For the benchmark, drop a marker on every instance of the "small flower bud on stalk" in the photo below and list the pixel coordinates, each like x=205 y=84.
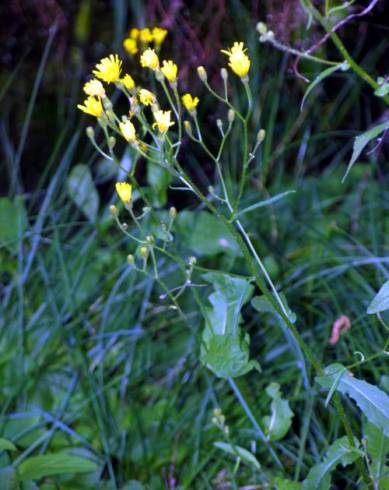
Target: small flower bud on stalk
x=130 y=259
x=202 y=73
x=150 y=239
x=107 y=104
x=125 y=226
x=192 y=261
x=261 y=28
x=224 y=74
x=261 y=135
x=113 y=210
x=219 y=124
x=111 y=142
x=188 y=128
x=231 y=116
x=90 y=132
x=144 y=252
x=173 y=213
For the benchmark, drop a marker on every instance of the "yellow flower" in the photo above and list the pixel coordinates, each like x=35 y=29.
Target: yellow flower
x=159 y=35
x=149 y=59
x=95 y=88
x=124 y=190
x=239 y=62
x=92 y=106
x=190 y=103
x=145 y=35
x=130 y=46
x=169 y=69
x=128 y=81
x=127 y=130
x=146 y=97
x=162 y=121
x=109 y=69
x=134 y=33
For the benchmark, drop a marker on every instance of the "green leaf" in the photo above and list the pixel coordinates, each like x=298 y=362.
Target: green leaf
x=239 y=452
x=322 y=75
x=280 y=420
x=204 y=234
x=82 y=191
x=37 y=467
x=225 y=347
x=261 y=304
x=13 y=221
x=381 y=300
x=372 y=401
x=361 y=141
x=6 y=445
x=377 y=449
x=282 y=484
x=159 y=179
x=340 y=452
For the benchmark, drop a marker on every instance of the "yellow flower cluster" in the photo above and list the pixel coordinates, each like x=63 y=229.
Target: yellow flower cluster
x=144 y=36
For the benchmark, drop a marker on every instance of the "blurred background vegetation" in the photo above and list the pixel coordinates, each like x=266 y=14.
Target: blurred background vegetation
x=92 y=360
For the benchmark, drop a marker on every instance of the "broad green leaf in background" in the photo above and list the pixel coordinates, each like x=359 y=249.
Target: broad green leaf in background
x=361 y=141
x=373 y=402
x=82 y=191
x=37 y=467
x=281 y=484
x=378 y=449
x=278 y=423
x=239 y=452
x=225 y=347
x=6 y=445
x=381 y=300
x=204 y=234
x=159 y=179
x=340 y=452
x=13 y=221
x=322 y=75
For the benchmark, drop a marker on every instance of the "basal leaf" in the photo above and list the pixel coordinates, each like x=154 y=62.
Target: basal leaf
x=239 y=452
x=82 y=191
x=361 y=141
x=373 y=402
x=381 y=300
x=340 y=452
x=280 y=420
x=37 y=467
x=6 y=445
x=377 y=449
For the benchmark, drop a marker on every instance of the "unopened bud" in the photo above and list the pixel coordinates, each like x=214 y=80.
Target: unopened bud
x=113 y=210
x=90 y=132
x=224 y=74
x=262 y=28
x=144 y=252
x=219 y=124
x=192 y=260
x=150 y=239
x=261 y=135
x=188 y=128
x=107 y=104
x=111 y=142
x=130 y=259
x=202 y=73
x=231 y=115
x=173 y=213
x=159 y=76
x=125 y=226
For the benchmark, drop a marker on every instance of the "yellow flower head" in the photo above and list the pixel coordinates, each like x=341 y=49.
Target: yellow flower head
x=159 y=35
x=130 y=45
x=162 y=121
x=109 y=69
x=239 y=62
x=93 y=106
x=127 y=130
x=134 y=33
x=145 y=35
x=149 y=59
x=169 y=69
x=146 y=97
x=124 y=190
x=190 y=103
x=95 y=88
x=128 y=81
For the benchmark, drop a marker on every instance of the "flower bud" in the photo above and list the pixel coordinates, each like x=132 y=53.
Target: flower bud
x=188 y=128
x=261 y=28
x=231 y=116
x=113 y=210
x=202 y=73
x=261 y=135
x=173 y=213
x=90 y=132
x=144 y=252
x=150 y=239
x=130 y=259
x=192 y=260
x=111 y=142
x=224 y=74
x=107 y=104
x=219 y=124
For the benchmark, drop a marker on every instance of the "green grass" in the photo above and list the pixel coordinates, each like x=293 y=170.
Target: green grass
x=95 y=362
